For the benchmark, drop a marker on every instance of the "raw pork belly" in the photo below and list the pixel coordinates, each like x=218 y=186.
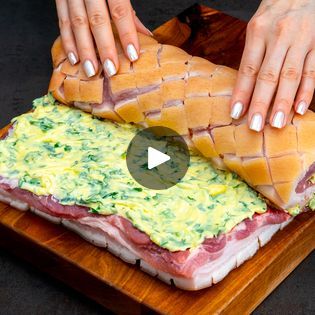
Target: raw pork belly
x=189 y=270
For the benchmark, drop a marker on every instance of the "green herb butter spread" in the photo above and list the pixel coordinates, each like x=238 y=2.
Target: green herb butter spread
x=311 y=204
x=60 y=151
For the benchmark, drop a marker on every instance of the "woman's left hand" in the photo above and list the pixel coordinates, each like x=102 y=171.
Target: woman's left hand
x=277 y=70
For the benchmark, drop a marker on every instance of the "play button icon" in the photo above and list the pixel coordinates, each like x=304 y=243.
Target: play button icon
x=157 y=158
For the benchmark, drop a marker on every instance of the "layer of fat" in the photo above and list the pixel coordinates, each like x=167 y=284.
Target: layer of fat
x=15 y=203
x=106 y=235
x=205 y=276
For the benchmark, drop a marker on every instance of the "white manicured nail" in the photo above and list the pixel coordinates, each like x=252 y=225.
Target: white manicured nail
x=237 y=110
x=89 y=68
x=150 y=32
x=301 y=108
x=256 y=122
x=278 y=119
x=109 y=68
x=132 y=53
x=72 y=58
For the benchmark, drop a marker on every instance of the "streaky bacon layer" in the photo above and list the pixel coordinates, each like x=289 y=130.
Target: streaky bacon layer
x=178 y=263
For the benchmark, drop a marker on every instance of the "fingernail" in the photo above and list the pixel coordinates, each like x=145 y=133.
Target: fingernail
x=278 y=119
x=236 y=110
x=301 y=108
x=256 y=122
x=132 y=53
x=89 y=68
x=149 y=32
x=109 y=68
x=72 y=58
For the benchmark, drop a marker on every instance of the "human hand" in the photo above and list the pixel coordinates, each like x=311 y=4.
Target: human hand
x=83 y=22
x=277 y=70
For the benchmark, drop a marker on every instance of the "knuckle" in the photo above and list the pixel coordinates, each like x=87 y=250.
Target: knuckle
x=119 y=11
x=306 y=27
x=261 y=104
x=285 y=103
x=85 y=52
x=106 y=47
x=309 y=73
x=249 y=70
x=127 y=35
x=268 y=75
x=281 y=26
x=78 y=21
x=258 y=105
x=64 y=23
x=97 y=19
x=257 y=24
x=304 y=40
x=290 y=73
x=106 y=51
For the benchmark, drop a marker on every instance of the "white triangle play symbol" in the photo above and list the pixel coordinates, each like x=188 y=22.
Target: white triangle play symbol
x=156 y=158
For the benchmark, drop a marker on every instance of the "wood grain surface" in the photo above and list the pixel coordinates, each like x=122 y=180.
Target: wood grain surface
x=125 y=289
x=206 y=33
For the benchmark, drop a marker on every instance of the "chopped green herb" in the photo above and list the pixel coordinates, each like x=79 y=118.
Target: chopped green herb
x=68 y=148
x=44 y=124
x=137 y=189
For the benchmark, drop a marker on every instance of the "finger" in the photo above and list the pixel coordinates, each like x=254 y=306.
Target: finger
x=290 y=78
x=122 y=15
x=250 y=64
x=99 y=20
x=66 y=34
x=140 y=26
x=307 y=86
x=266 y=83
x=83 y=36
x=252 y=58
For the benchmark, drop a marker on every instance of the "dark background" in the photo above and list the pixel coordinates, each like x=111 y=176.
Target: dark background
x=27 y=30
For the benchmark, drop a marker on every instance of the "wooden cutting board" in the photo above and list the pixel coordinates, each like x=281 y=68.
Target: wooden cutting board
x=125 y=289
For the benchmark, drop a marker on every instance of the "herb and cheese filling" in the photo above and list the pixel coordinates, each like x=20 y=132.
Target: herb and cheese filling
x=80 y=160
x=311 y=204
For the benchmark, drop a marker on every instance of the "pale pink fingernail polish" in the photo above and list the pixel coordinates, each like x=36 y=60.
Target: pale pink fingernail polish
x=278 y=119
x=151 y=34
x=132 y=52
x=301 y=108
x=72 y=58
x=89 y=68
x=256 y=122
x=109 y=68
x=237 y=110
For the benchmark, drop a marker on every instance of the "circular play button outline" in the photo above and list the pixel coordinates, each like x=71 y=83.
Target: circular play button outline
x=168 y=154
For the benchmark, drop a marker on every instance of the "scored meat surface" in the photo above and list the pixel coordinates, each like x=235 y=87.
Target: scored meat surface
x=168 y=87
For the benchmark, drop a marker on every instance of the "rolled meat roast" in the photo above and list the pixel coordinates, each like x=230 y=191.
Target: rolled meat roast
x=168 y=87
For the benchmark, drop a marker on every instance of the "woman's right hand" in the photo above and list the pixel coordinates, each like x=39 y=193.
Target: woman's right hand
x=83 y=22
